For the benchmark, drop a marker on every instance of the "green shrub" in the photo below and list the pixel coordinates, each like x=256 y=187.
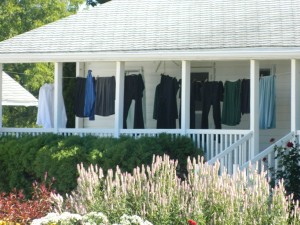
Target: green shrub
x=26 y=159
x=17 y=156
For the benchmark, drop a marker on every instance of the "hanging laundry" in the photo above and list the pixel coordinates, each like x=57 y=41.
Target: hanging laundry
x=267 y=102
x=90 y=96
x=195 y=97
x=134 y=87
x=105 y=96
x=245 y=96
x=79 y=97
x=45 y=114
x=231 y=111
x=165 y=102
x=212 y=96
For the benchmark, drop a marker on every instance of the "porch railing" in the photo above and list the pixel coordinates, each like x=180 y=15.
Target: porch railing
x=266 y=159
x=235 y=155
x=214 y=142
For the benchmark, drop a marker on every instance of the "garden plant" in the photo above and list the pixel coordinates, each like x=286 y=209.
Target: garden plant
x=156 y=194
x=288 y=167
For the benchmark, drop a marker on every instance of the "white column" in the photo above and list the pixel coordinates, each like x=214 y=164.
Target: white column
x=119 y=102
x=58 y=95
x=79 y=73
x=295 y=95
x=254 y=105
x=1 y=90
x=185 y=96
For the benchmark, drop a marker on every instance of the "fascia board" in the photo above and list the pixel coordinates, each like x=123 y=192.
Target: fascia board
x=203 y=55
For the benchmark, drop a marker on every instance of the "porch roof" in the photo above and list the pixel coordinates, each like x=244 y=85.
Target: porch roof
x=166 y=29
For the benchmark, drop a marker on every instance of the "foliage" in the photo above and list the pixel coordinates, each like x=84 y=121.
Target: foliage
x=25 y=159
x=158 y=195
x=20 y=16
x=19 y=116
x=17 y=157
x=14 y=207
x=288 y=167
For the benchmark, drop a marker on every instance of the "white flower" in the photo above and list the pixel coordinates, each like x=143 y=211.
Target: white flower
x=50 y=217
x=64 y=218
x=95 y=218
x=133 y=220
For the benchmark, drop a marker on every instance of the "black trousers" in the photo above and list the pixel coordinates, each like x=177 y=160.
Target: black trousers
x=245 y=96
x=133 y=90
x=105 y=96
x=79 y=96
x=212 y=96
x=165 y=103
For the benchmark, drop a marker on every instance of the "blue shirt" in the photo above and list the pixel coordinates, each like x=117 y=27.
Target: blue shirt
x=90 y=96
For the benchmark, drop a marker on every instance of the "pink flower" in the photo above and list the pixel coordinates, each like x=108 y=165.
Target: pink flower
x=290 y=144
x=192 y=222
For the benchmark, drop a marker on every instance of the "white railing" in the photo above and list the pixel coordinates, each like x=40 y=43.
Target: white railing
x=86 y=132
x=214 y=142
x=266 y=159
x=149 y=132
x=235 y=155
x=19 y=132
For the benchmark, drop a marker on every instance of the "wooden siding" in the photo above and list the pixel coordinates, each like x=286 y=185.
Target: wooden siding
x=219 y=71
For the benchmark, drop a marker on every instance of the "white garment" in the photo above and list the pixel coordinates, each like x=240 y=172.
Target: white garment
x=45 y=115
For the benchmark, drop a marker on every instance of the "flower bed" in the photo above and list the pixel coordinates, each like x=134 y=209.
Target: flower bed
x=156 y=195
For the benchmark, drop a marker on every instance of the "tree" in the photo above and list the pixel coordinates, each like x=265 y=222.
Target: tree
x=19 y=16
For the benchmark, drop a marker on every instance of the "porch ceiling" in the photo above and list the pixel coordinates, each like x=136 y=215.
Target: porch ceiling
x=165 y=29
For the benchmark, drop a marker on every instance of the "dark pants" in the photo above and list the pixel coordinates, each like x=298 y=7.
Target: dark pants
x=165 y=103
x=212 y=95
x=245 y=96
x=133 y=90
x=79 y=96
x=105 y=96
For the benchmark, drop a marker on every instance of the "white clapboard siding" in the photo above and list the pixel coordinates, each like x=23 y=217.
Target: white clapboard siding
x=219 y=71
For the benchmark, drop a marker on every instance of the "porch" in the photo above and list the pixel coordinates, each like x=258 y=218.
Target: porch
x=233 y=146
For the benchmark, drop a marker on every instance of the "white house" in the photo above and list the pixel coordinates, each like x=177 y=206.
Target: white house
x=225 y=40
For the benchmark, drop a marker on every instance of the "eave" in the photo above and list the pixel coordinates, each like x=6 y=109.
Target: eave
x=166 y=55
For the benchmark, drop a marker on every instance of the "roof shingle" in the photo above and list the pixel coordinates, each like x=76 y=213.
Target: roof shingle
x=149 y=25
